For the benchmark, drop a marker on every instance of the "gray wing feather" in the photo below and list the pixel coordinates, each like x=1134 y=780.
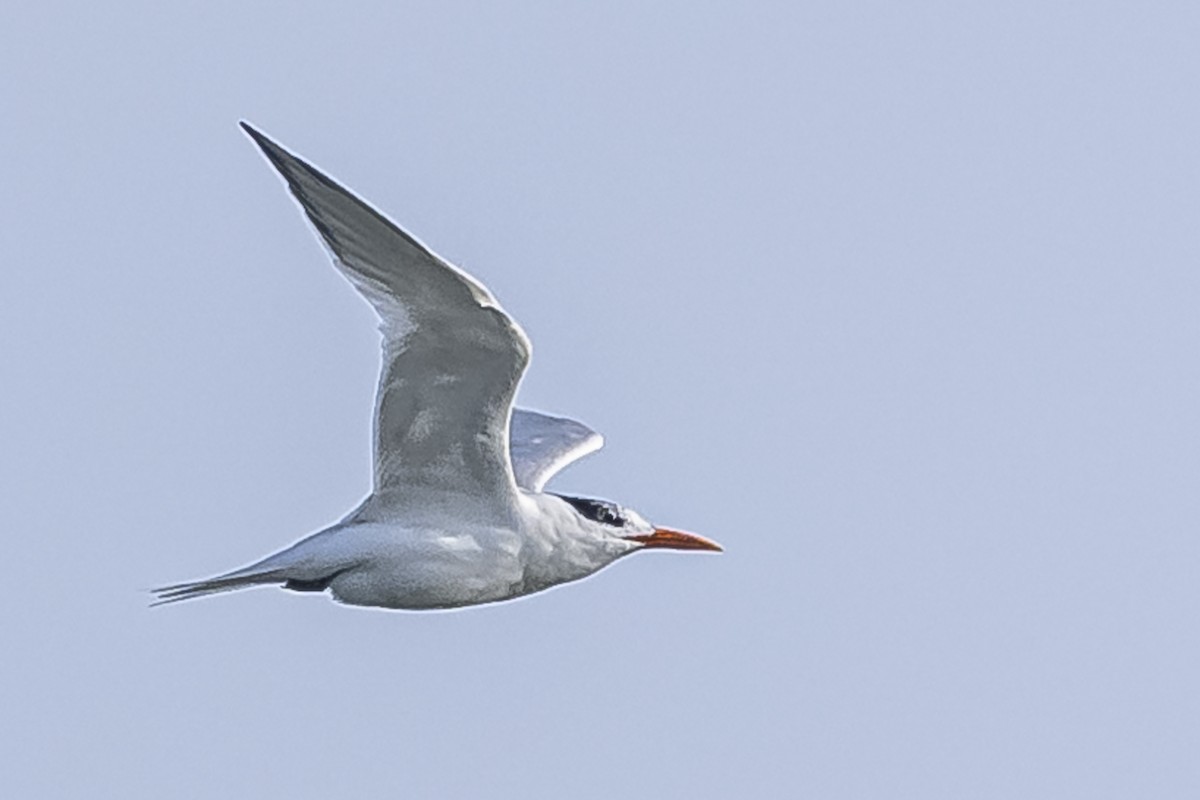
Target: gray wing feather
x=452 y=359
x=542 y=445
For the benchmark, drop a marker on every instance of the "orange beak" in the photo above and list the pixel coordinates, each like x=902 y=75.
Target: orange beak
x=675 y=540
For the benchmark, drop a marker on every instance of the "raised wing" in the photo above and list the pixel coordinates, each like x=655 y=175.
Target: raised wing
x=542 y=445
x=452 y=358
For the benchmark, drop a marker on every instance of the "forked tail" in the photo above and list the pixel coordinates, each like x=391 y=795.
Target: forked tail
x=221 y=583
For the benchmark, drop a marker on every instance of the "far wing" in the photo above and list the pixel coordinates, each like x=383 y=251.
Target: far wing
x=542 y=445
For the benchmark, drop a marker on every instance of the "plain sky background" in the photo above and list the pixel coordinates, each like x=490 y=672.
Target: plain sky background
x=898 y=301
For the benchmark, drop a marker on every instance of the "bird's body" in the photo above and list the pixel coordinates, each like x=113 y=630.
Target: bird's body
x=410 y=558
x=458 y=515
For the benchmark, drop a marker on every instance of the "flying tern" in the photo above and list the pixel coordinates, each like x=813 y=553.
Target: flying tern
x=458 y=514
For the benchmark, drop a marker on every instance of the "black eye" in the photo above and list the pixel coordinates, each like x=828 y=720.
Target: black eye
x=601 y=511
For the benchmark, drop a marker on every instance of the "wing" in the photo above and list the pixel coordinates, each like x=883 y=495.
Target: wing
x=452 y=358
x=542 y=445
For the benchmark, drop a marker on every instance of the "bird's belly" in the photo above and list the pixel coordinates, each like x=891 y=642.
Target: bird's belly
x=434 y=572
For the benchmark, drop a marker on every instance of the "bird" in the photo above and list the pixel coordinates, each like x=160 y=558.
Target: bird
x=458 y=514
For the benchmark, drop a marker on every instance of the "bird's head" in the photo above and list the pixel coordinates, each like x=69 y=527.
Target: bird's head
x=627 y=524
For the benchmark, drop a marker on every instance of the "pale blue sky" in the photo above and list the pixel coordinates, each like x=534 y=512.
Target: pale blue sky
x=899 y=302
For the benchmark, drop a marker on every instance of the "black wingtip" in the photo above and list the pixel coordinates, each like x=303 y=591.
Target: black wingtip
x=258 y=136
x=284 y=162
